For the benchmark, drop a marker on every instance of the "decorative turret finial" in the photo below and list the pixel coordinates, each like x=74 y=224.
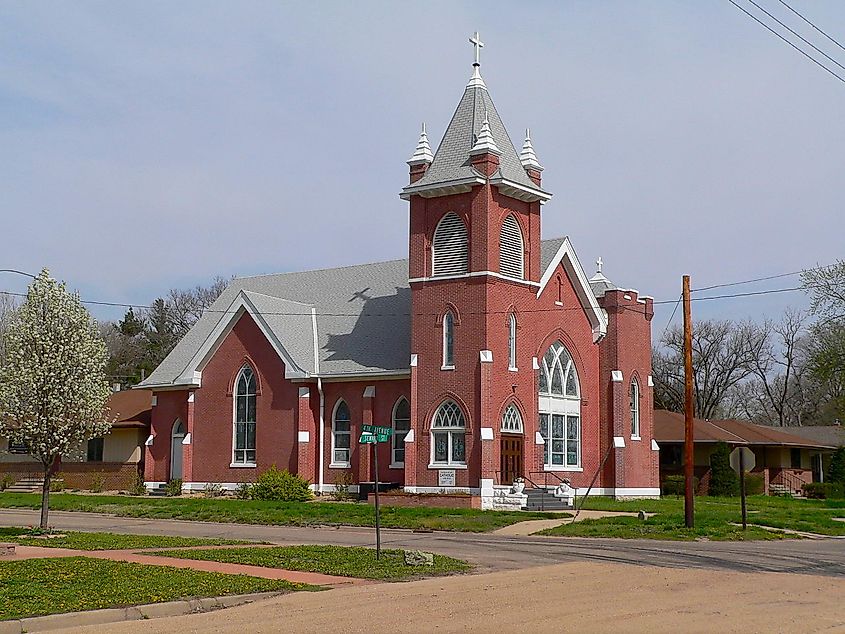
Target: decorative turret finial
x=422 y=154
x=527 y=157
x=599 y=264
x=476 y=81
x=485 y=143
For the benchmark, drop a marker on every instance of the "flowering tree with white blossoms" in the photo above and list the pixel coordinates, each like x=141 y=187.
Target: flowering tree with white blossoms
x=53 y=386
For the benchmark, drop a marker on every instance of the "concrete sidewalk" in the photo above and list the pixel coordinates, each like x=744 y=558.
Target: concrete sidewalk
x=132 y=556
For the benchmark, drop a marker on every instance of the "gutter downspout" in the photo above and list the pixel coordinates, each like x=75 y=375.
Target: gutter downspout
x=322 y=432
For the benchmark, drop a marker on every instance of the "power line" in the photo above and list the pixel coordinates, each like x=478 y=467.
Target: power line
x=757 y=279
x=798 y=35
x=812 y=25
x=556 y=309
x=669 y=323
x=796 y=47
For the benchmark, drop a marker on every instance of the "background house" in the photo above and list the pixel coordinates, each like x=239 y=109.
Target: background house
x=111 y=462
x=786 y=460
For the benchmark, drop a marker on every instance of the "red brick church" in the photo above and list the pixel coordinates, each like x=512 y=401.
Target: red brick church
x=489 y=351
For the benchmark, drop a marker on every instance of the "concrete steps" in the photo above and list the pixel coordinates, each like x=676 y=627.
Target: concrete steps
x=544 y=500
x=26 y=485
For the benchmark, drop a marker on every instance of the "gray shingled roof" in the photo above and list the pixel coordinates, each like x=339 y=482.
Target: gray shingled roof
x=362 y=315
x=452 y=161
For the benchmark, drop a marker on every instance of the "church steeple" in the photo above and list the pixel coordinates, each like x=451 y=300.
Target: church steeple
x=475 y=125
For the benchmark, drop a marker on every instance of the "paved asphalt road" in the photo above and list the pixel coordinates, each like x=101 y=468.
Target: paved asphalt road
x=491 y=552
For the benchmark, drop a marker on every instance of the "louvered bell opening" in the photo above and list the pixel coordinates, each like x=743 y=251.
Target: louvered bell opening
x=450 y=247
x=510 y=249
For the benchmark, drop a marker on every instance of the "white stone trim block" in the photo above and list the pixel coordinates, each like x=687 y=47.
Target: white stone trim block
x=303 y=436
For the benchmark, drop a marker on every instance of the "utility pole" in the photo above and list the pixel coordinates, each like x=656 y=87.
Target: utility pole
x=689 y=439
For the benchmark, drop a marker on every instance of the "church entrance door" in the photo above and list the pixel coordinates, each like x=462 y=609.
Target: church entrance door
x=511 y=458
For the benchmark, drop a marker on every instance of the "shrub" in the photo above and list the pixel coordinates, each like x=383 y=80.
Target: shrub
x=98 y=482
x=836 y=473
x=341 y=486
x=674 y=485
x=723 y=480
x=824 y=490
x=6 y=482
x=281 y=486
x=244 y=491
x=57 y=484
x=173 y=488
x=212 y=490
x=138 y=487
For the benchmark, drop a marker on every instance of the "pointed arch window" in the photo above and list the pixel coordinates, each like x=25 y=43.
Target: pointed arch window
x=512 y=341
x=448 y=341
x=341 y=435
x=245 y=419
x=512 y=420
x=560 y=409
x=511 y=249
x=448 y=435
x=401 y=427
x=635 y=409
x=450 y=247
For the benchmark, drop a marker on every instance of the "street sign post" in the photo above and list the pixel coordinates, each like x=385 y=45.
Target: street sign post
x=372 y=435
x=742 y=459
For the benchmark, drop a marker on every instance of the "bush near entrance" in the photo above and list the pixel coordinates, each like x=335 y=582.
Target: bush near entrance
x=837 y=467
x=280 y=486
x=724 y=481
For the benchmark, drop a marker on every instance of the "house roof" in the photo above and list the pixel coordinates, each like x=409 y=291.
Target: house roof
x=131 y=408
x=669 y=428
x=356 y=317
x=452 y=163
x=833 y=435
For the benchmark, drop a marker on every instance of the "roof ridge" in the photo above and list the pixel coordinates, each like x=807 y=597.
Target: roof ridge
x=327 y=268
x=284 y=299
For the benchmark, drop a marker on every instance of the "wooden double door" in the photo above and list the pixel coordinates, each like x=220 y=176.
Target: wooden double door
x=511 y=457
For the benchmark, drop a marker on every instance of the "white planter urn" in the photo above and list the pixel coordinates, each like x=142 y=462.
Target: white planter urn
x=518 y=487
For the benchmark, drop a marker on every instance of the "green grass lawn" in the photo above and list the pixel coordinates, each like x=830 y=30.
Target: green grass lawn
x=277 y=513
x=715 y=518
x=49 y=586
x=330 y=560
x=107 y=541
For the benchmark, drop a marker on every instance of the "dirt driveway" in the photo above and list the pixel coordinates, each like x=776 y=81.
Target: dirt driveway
x=581 y=596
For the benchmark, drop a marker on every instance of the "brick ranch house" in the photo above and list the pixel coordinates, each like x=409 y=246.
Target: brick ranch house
x=112 y=462
x=783 y=457
x=489 y=351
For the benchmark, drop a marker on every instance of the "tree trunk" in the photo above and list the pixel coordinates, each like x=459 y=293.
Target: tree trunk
x=45 y=496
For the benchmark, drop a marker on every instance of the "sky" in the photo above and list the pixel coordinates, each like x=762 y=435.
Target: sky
x=155 y=145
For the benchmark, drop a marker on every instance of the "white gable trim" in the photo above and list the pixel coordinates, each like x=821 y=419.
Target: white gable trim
x=566 y=256
x=240 y=305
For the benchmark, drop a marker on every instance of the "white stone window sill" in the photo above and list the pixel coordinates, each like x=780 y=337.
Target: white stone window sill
x=243 y=465
x=561 y=468
x=340 y=465
x=447 y=367
x=513 y=369
x=635 y=438
x=443 y=465
x=396 y=465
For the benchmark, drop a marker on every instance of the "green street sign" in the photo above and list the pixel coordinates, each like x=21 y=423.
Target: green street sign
x=383 y=437
x=375 y=429
x=367 y=439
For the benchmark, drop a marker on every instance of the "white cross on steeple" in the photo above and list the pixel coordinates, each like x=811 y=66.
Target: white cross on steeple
x=599 y=263
x=475 y=40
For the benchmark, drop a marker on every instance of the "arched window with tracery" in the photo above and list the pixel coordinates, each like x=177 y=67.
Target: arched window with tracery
x=560 y=408
x=448 y=435
x=245 y=419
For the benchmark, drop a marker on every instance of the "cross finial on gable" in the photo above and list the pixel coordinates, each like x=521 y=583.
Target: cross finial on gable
x=599 y=264
x=475 y=40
